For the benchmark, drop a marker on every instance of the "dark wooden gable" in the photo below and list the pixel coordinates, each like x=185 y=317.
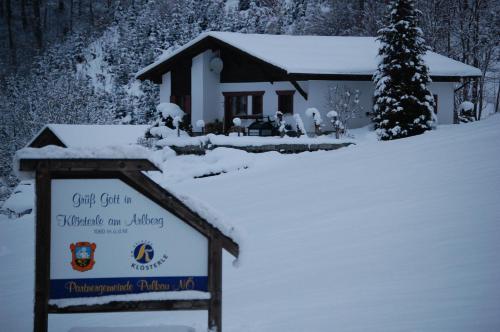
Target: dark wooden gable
x=239 y=66
x=46 y=137
x=181 y=78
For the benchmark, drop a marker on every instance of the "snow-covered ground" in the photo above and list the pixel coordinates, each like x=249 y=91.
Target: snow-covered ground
x=381 y=236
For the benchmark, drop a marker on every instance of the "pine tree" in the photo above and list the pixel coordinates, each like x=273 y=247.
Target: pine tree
x=403 y=104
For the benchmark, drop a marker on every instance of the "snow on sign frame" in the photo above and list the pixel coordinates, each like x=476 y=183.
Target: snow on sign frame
x=110 y=239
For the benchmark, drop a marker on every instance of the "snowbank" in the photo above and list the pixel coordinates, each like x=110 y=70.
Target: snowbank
x=164 y=328
x=179 y=295
x=273 y=140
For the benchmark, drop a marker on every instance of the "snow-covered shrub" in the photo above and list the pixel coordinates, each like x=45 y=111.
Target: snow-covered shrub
x=313 y=113
x=280 y=123
x=337 y=125
x=215 y=127
x=465 y=112
x=169 y=110
x=301 y=129
x=177 y=122
x=344 y=105
x=168 y=122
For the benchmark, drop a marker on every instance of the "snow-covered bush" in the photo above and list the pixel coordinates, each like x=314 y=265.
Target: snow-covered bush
x=465 y=112
x=313 y=113
x=337 y=125
x=344 y=105
x=168 y=122
x=169 y=110
x=280 y=123
x=216 y=127
x=301 y=129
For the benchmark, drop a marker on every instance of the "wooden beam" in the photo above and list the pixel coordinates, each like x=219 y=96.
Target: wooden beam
x=215 y=285
x=297 y=86
x=118 y=306
x=27 y=165
x=42 y=247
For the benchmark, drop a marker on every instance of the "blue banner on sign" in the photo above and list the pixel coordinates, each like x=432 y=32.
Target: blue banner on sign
x=70 y=288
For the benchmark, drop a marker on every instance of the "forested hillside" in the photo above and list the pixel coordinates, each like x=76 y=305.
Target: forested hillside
x=73 y=61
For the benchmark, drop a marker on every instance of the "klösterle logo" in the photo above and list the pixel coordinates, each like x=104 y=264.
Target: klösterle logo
x=143 y=254
x=82 y=256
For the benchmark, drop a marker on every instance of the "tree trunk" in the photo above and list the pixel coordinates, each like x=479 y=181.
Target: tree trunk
x=12 y=45
x=91 y=14
x=37 y=24
x=481 y=94
x=24 y=20
x=498 y=97
x=45 y=15
x=70 y=15
x=475 y=57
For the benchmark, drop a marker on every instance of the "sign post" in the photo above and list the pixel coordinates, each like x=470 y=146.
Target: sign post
x=104 y=229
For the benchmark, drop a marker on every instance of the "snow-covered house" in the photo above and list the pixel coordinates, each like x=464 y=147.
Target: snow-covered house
x=223 y=75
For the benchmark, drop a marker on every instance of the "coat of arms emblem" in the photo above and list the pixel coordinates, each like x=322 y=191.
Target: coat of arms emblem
x=82 y=256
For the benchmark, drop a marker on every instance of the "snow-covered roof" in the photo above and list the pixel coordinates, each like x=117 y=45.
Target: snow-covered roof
x=79 y=136
x=325 y=55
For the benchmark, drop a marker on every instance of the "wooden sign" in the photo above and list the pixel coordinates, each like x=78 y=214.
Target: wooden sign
x=103 y=228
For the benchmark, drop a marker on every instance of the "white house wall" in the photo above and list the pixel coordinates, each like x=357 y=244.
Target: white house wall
x=204 y=89
x=446 y=100
x=165 y=88
x=319 y=95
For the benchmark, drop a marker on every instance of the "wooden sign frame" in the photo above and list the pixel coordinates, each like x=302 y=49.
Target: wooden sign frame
x=130 y=172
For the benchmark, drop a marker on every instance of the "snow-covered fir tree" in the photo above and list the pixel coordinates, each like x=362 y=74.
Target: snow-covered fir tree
x=403 y=105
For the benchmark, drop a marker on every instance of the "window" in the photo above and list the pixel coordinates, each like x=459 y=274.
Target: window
x=435 y=103
x=257 y=105
x=239 y=105
x=285 y=101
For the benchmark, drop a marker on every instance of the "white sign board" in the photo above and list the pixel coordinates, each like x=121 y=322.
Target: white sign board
x=109 y=239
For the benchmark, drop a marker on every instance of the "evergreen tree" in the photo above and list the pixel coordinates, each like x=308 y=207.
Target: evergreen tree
x=403 y=104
